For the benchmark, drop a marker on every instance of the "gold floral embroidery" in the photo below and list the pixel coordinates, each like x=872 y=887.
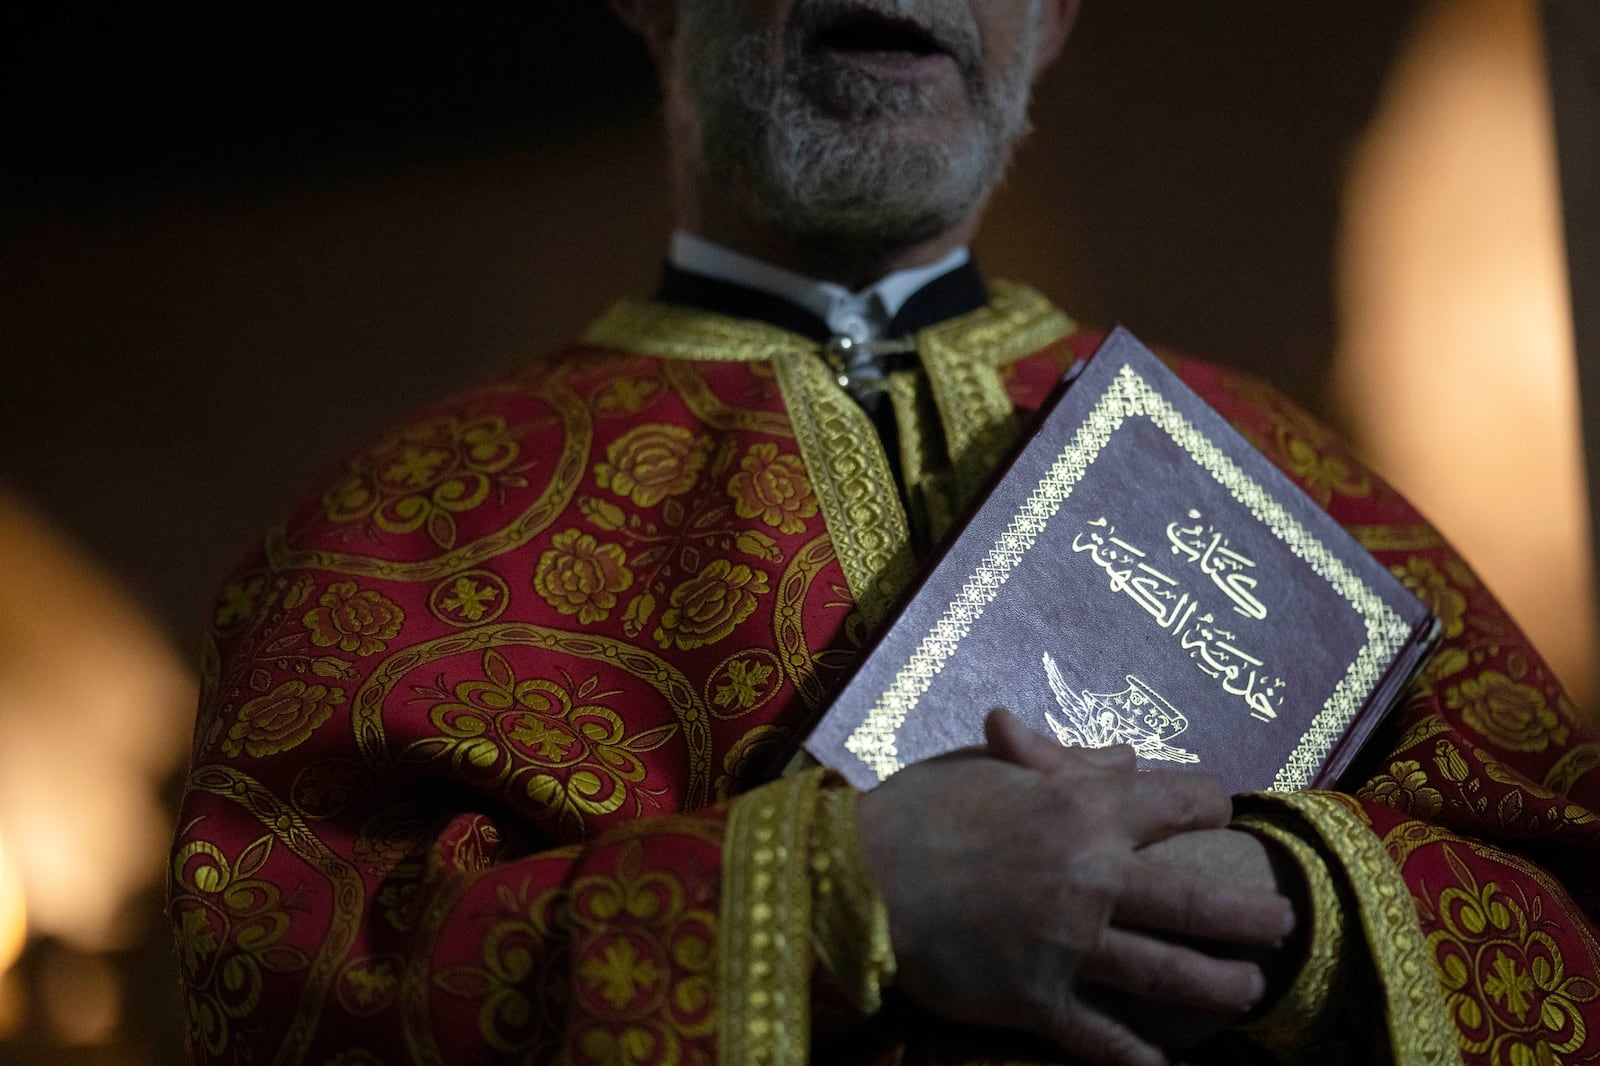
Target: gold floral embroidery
x=325 y=787
x=550 y=745
x=1405 y=788
x=471 y=598
x=1451 y=765
x=705 y=608
x=357 y=620
x=426 y=474
x=1435 y=591
x=281 y=719
x=367 y=986
x=1505 y=978
x=294 y=1026
x=673 y=691
x=627 y=395
x=651 y=462
x=750 y=754
x=1510 y=713
x=1322 y=473
x=239 y=601
x=742 y=682
x=230 y=928
x=643 y=955
x=581 y=576
x=773 y=488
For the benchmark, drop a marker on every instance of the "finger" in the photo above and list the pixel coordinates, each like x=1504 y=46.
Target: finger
x=1167 y=802
x=1089 y=1035
x=1159 y=898
x=1015 y=743
x=1159 y=972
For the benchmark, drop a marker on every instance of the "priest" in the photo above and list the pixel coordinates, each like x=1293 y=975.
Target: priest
x=478 y=770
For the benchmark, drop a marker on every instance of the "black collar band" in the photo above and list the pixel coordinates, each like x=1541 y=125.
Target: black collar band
x=957 y=292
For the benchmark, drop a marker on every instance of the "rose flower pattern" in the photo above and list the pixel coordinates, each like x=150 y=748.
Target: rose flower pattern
x=581 y=576
x=773 y=488
x=281 y=719
x=1512 y=714
x=652 y=462
x=356 y=620
x=706 y=607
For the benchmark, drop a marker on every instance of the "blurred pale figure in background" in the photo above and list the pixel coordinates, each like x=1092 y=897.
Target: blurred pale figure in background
x=93 y=708
x=1455 y=318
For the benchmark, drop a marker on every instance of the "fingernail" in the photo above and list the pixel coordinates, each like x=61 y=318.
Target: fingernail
x=1289 y=922
x=1258 y=988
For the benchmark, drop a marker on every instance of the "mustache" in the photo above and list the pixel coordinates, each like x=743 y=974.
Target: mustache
x=948 y=25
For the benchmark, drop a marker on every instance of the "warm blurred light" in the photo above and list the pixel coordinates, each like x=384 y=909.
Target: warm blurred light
x=94 y=707
x=13 y=1004
x=1456 y=366
x=80 y=996
x=13 y=912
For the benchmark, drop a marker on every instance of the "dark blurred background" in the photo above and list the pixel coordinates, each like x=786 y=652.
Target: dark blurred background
x=236 y=241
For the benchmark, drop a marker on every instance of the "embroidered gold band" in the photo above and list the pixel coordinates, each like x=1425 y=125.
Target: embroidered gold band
x=764 y=965
x=1304 y=1011
x=849 y=925
x=1421 y=1032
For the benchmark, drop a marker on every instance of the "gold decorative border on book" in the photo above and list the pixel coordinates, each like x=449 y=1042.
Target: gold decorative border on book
x=1130 y=395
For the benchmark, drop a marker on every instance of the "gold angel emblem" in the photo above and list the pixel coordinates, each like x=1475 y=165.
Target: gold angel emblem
x=1137 y=716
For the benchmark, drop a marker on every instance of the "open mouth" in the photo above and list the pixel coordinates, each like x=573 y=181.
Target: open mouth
x=869 y=33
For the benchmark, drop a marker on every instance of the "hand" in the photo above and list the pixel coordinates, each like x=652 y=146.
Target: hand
x=1011 y=875
x=1216 y=857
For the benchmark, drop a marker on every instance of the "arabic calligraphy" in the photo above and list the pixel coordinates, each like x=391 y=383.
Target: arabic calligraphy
x=1209 y=550
x=1179 y=611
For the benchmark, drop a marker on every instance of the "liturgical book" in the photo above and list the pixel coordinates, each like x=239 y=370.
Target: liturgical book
x=1140 y=575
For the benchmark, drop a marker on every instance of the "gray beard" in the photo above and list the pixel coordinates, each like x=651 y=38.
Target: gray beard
x=801 y=139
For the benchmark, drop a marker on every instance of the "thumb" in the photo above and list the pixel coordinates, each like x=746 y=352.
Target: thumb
x=1011 y=741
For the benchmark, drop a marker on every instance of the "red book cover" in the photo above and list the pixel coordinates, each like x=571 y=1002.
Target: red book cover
x=1140 y=575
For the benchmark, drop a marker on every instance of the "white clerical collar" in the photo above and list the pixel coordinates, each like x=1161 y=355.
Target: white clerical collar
x=861 y=316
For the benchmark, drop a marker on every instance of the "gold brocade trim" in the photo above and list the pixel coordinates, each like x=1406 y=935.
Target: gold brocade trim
x=849 y=923
x=901 y=388
x=1303 y=1012
x=923 y=468
x=673 y=332
x=577 y=433
x=849 y=472
x=1421 y=1031
x=961 y=357
x=675 y=689
x=1018 y=322
x=289 y=828
x=1130 y=396
x=850 y=476
x=979 y=419
x=711 y=410
x=763 y=965
x=1410 y=538
x=788 y=620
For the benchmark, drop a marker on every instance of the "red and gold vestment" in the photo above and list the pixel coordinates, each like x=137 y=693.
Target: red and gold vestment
x=472 y=718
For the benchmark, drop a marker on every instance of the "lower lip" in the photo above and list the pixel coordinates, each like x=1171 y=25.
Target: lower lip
x=903 y=66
